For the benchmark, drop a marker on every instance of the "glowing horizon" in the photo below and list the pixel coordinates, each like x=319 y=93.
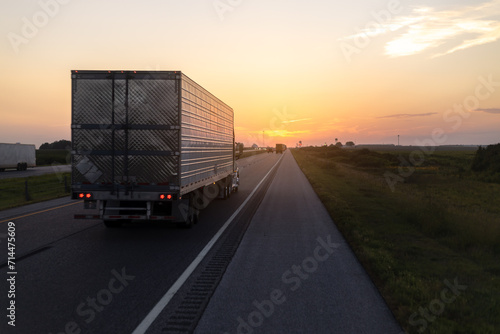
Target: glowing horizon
x=291 y=71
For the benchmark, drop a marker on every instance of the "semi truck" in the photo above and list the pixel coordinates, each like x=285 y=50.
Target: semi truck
x=280 y=148
x=149 y=146
x=17 y=156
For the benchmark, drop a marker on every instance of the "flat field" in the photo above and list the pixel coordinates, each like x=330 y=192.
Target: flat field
x=21 y=191
x=425 y=227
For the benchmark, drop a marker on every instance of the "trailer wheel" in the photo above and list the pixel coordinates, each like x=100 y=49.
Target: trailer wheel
x=112 y=223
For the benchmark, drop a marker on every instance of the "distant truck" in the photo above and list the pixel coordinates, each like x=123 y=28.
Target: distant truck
x=17 y=156
x=149 y=146
x=280 y=148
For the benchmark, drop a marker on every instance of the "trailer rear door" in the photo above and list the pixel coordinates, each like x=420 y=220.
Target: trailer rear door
x=125 y=130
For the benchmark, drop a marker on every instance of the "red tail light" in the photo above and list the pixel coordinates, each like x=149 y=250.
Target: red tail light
x=165 y=196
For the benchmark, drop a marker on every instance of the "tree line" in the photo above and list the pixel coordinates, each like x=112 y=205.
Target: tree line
x=57 y=145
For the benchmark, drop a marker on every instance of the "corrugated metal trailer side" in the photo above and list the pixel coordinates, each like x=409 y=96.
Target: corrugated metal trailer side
x=206 y=137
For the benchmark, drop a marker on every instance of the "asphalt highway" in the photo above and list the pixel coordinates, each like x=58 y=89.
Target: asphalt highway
x=78 y=275
x=279 y=251
x=294 y=272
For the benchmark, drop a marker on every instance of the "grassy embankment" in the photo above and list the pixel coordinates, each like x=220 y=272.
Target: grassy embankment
x=40 y=188
x=440 y=223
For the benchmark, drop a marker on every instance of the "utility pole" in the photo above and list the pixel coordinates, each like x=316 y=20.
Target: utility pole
x=398 y=140
x=263 y=144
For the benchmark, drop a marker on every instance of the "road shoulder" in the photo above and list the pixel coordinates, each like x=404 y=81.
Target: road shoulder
x=294 y=272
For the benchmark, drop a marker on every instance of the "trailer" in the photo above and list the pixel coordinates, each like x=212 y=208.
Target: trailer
x=149 y=146
x=280 y=148
x=17 y=156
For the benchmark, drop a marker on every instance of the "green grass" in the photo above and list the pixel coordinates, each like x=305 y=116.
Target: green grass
x=439 y=224
x=40 y=188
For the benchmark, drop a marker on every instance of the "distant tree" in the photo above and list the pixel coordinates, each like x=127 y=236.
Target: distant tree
x=487 y=159
x=339 y=144
x=349 y=143
x=57 y=145
x=255 y=146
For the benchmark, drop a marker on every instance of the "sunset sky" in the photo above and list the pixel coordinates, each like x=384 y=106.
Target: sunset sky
x=362 y=71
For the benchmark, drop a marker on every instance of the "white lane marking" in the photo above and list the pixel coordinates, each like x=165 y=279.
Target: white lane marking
x=153 y=314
